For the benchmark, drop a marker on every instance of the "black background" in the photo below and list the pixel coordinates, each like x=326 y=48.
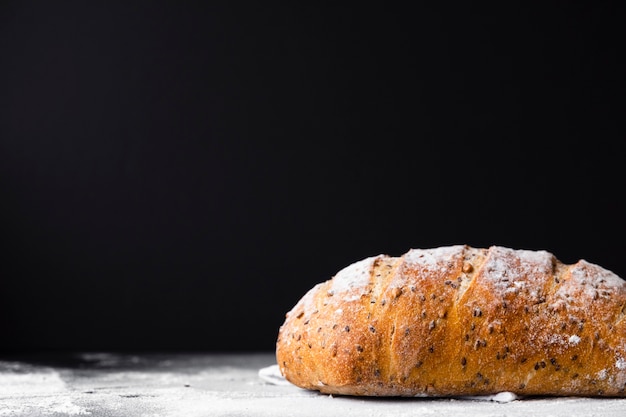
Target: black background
x=176 y=175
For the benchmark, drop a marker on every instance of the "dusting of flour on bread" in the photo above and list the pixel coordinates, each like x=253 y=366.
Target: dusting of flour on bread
x=432 y=259
x=512 y=270
x=353 y=278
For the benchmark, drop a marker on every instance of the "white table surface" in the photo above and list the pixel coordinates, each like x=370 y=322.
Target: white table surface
x=107 y=384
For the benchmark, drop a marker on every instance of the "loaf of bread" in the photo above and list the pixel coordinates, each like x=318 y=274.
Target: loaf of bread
x=458 y=320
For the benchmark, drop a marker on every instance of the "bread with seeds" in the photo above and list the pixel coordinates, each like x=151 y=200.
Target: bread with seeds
x=458 y=320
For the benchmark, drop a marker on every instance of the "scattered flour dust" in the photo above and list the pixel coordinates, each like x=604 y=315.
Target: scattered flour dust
x=36 y=393
x=574 y=340
x=434 y=258
x=353 y=278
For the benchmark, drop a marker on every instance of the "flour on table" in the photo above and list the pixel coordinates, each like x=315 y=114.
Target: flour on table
x=36 y=393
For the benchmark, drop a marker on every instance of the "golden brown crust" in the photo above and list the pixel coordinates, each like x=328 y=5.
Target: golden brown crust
x=459 y=320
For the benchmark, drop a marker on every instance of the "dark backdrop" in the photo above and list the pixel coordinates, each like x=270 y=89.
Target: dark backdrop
x=176 y=176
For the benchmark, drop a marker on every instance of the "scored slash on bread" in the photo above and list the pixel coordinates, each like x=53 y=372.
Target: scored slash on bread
x=459 y=320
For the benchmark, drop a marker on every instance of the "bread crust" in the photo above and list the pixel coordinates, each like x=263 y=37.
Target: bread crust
x=458 y=320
